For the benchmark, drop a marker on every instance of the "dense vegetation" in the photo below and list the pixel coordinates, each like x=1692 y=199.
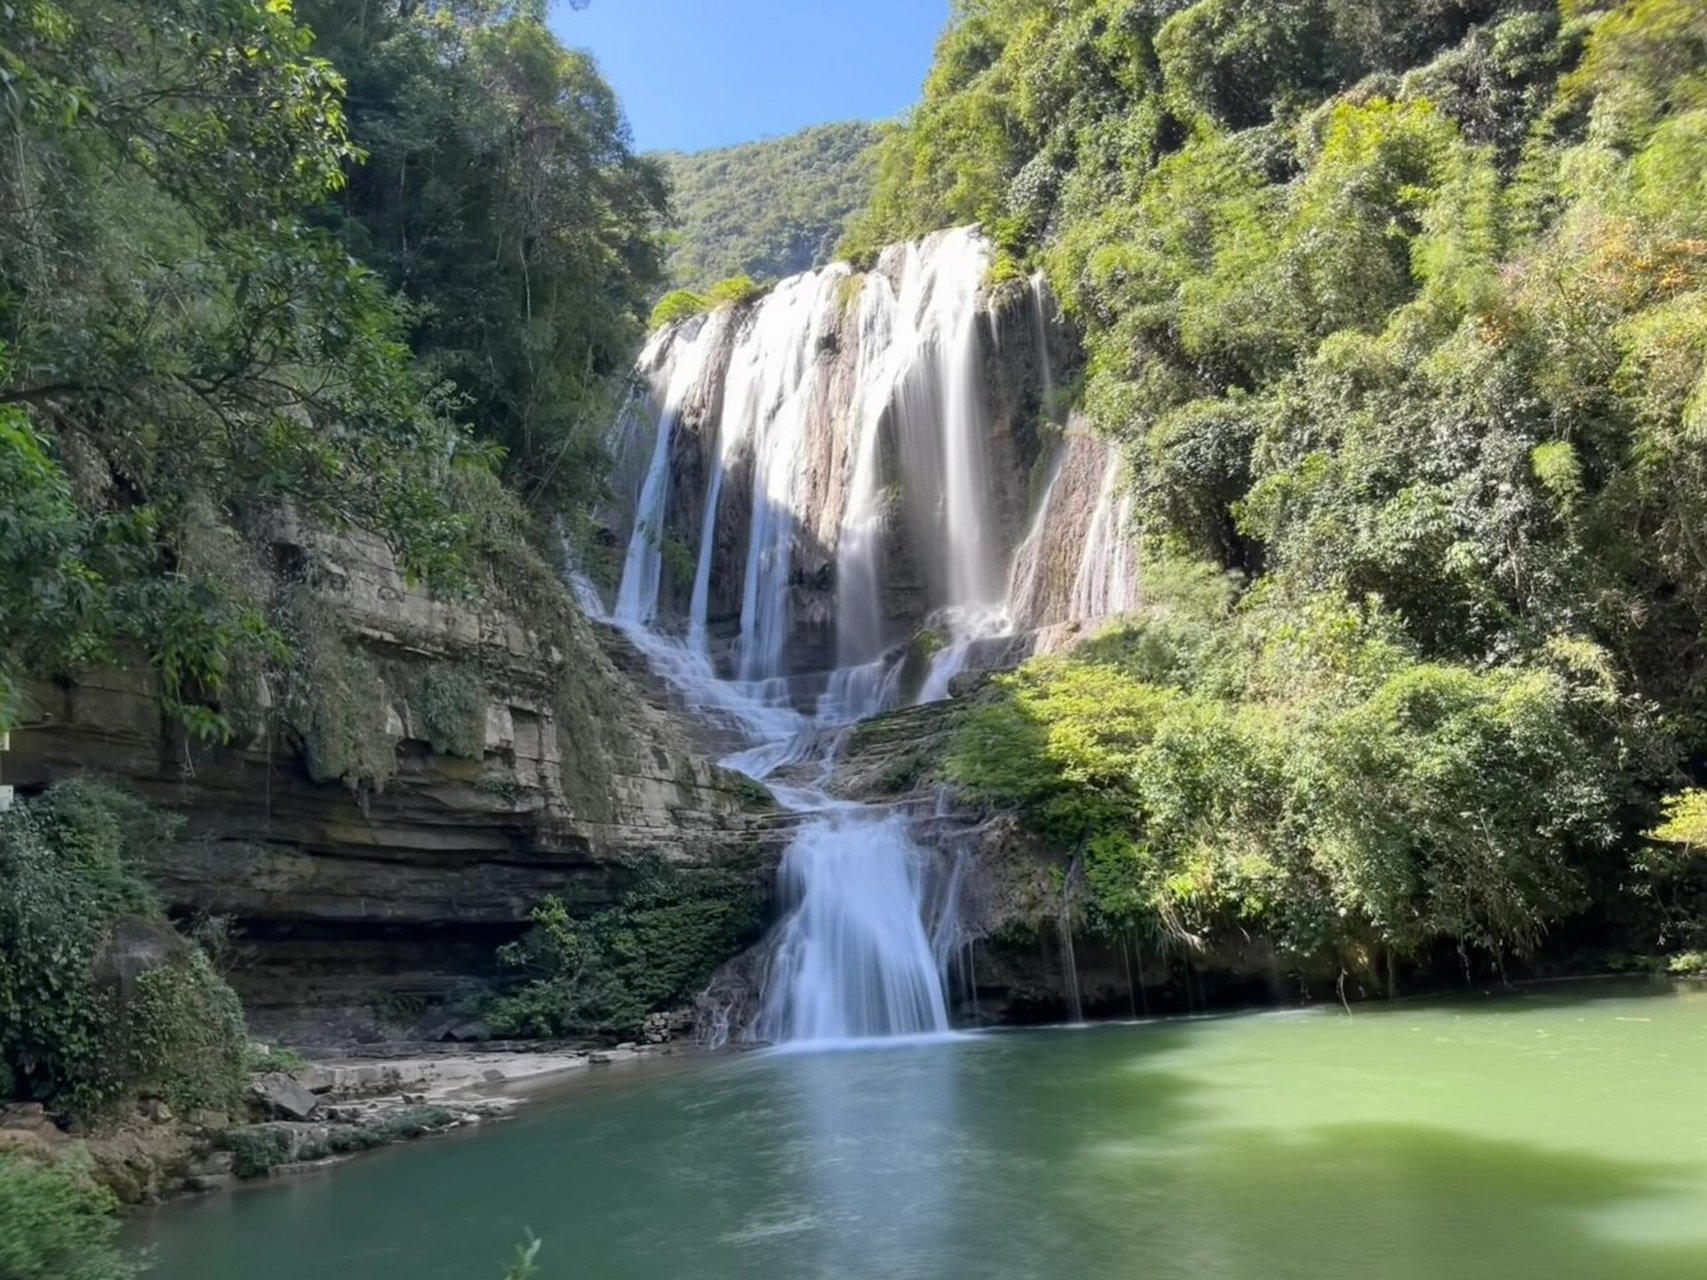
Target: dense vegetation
x=602 y=974
x=767 y=209
x=267 y=268
x=101 y=1001
x=1399 y=313
x=56 y=1224
x=101 y=998
x=245 y=271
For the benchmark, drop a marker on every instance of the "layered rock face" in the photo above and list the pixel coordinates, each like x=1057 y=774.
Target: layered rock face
x=365 y=906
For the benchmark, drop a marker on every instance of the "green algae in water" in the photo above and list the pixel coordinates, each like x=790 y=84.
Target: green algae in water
x=1561 y=1134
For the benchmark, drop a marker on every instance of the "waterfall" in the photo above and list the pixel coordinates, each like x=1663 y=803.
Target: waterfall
x=853 y=958
x=846 y=443
x=1040 y=317
x=1106 y=582
x=1028 y=556
x=859 y=622
x=780 y=357
x=677 y=377
x=972 y=573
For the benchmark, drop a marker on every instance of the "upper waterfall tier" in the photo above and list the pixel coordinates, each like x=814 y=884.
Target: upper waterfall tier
x=808 y=479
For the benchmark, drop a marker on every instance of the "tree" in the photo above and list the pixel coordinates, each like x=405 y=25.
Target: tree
x=500 y=196
x=187 y=349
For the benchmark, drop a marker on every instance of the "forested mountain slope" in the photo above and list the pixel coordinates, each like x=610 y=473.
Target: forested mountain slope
x=766 y=209
x=1399 y=311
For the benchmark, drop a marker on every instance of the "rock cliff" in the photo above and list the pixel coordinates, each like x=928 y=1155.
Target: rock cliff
x=499 y=761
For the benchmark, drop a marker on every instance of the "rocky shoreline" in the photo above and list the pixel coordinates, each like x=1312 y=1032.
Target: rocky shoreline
x=305 y=1117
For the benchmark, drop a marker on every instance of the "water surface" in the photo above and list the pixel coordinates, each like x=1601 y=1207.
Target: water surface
x=1560 y=1134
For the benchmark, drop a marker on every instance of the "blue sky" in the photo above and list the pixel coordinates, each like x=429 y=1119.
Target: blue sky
x=694 y=74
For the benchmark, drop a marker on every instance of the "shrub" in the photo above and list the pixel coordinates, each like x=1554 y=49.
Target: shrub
x=677 y=305
x=451 y=702
x=1310 y=777
x=99 y=996
x=336 y=701
x=733 y=292
x=265 y=1059
x=655 y=949
x=56 y=1224
x=1685 y=821
x=256 y=1152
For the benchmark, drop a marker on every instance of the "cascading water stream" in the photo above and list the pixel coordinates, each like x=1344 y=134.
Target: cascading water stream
x=855 y=447
x=1107 y=583
x=853 y=958
x=859 y=951
x=643 y=567
x=781 y=356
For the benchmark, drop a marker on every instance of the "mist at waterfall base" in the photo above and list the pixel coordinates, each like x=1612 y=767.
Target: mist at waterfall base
x=1552 y=1135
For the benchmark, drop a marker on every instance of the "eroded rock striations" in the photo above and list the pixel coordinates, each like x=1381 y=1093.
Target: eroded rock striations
x=368 y=875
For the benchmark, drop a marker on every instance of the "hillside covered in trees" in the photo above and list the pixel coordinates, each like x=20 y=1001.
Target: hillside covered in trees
x=1399 y=313
x=766 y=209
x=364 y=264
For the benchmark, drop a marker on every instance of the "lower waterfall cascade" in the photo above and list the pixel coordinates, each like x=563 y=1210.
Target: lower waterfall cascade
x=849 y=413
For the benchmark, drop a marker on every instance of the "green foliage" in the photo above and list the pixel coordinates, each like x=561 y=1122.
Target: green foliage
x=1303 y=771
x=684 y=304
x=500 y=196
x=256 y=1152
x=336 y=700
x=766 y=209
x=1399 y=312
x=246 y=268
x=57 y=1224
x=1688 y=964
x=603 y=973
x=681 y=304
x=182 y=342
x=264 y=1059
x=451 y=702
x=43 y=580
x=1685 y=820
x=100 y=997
x=733 y=292
x=525 y=1267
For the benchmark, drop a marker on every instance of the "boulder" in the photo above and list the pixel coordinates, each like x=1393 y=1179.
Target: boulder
x=285 y=1096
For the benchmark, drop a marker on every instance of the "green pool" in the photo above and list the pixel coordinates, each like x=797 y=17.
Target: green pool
x=1560 y=1134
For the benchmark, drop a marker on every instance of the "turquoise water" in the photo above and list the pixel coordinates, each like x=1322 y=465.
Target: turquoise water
x=1561 y=1135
